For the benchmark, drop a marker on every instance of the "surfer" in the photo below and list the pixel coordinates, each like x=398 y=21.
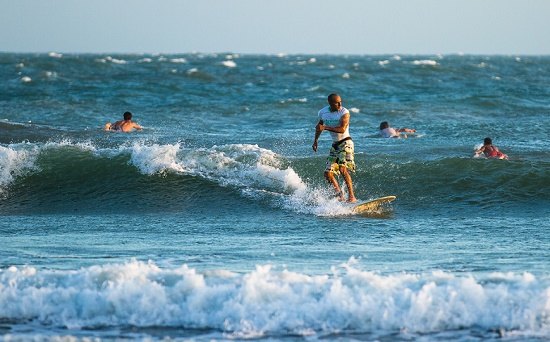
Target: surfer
x=490 y=151
x=388 y=132
x=335 y=119
x=125 y=125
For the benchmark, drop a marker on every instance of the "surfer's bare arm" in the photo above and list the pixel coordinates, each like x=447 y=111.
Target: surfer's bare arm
x=344 y=122
x=318 y=130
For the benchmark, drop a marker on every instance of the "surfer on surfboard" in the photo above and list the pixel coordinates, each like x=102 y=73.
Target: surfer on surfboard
x=335 y=119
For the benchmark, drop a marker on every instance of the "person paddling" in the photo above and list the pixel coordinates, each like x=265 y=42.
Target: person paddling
x=125 y=125
x=490 y=150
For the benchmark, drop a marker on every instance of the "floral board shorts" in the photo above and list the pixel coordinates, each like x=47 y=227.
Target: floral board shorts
x=341 y=153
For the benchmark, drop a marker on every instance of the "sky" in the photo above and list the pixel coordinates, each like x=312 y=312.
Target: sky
x=510 y=27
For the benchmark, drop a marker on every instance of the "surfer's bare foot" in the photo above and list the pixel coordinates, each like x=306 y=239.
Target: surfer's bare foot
x=340 y=196
x=352 y=200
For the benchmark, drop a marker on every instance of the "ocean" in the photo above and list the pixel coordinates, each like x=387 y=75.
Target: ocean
x=215 y=222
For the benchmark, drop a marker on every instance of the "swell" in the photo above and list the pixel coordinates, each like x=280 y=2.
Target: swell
x=464 y=185
x=145 y=177
x=456 y=178
x=76 y=178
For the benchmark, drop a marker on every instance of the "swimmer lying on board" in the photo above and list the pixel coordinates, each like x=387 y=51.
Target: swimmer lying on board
x=388 y=132
x=125 y=125
x=490 y=151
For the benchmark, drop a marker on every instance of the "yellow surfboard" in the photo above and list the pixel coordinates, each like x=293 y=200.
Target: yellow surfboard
x=372 y=205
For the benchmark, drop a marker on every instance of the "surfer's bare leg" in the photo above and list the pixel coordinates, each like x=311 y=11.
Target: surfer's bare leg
x=332 y=180
x=349 y=184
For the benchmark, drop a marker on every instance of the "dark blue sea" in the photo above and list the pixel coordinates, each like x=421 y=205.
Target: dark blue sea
x=214 y=222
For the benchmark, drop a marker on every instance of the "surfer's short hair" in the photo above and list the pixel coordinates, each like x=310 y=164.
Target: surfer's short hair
x=127 y=116
x=331 y=96
x=488 y=141
x=384 y=125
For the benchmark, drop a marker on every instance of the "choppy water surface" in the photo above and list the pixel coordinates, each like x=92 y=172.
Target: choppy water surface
x=214 y=222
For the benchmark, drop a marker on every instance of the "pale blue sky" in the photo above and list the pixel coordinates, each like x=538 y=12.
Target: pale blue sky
x=276 y=26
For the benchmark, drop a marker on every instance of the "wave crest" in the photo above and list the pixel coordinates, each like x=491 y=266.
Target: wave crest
x=265 y=301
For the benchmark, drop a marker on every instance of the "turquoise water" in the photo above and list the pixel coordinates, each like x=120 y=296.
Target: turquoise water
x=215 y=222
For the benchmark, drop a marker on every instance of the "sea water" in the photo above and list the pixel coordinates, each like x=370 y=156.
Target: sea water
x=214 y=222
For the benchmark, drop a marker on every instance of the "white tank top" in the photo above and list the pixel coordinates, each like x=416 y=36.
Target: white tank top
x=332 y=119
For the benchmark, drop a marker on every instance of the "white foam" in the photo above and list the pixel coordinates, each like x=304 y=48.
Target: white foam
x=156 y=158
x=114 y=60
x=425 y=62
x=16 y=160
x=84 y=145
x=244 y=165
x=55 y=55
x=346 y=75
x=178 y=60
x=293 y=100
x=26 y=79
x=49 y=74
x=258 y=172
x=270 y=301
x=229 y=64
